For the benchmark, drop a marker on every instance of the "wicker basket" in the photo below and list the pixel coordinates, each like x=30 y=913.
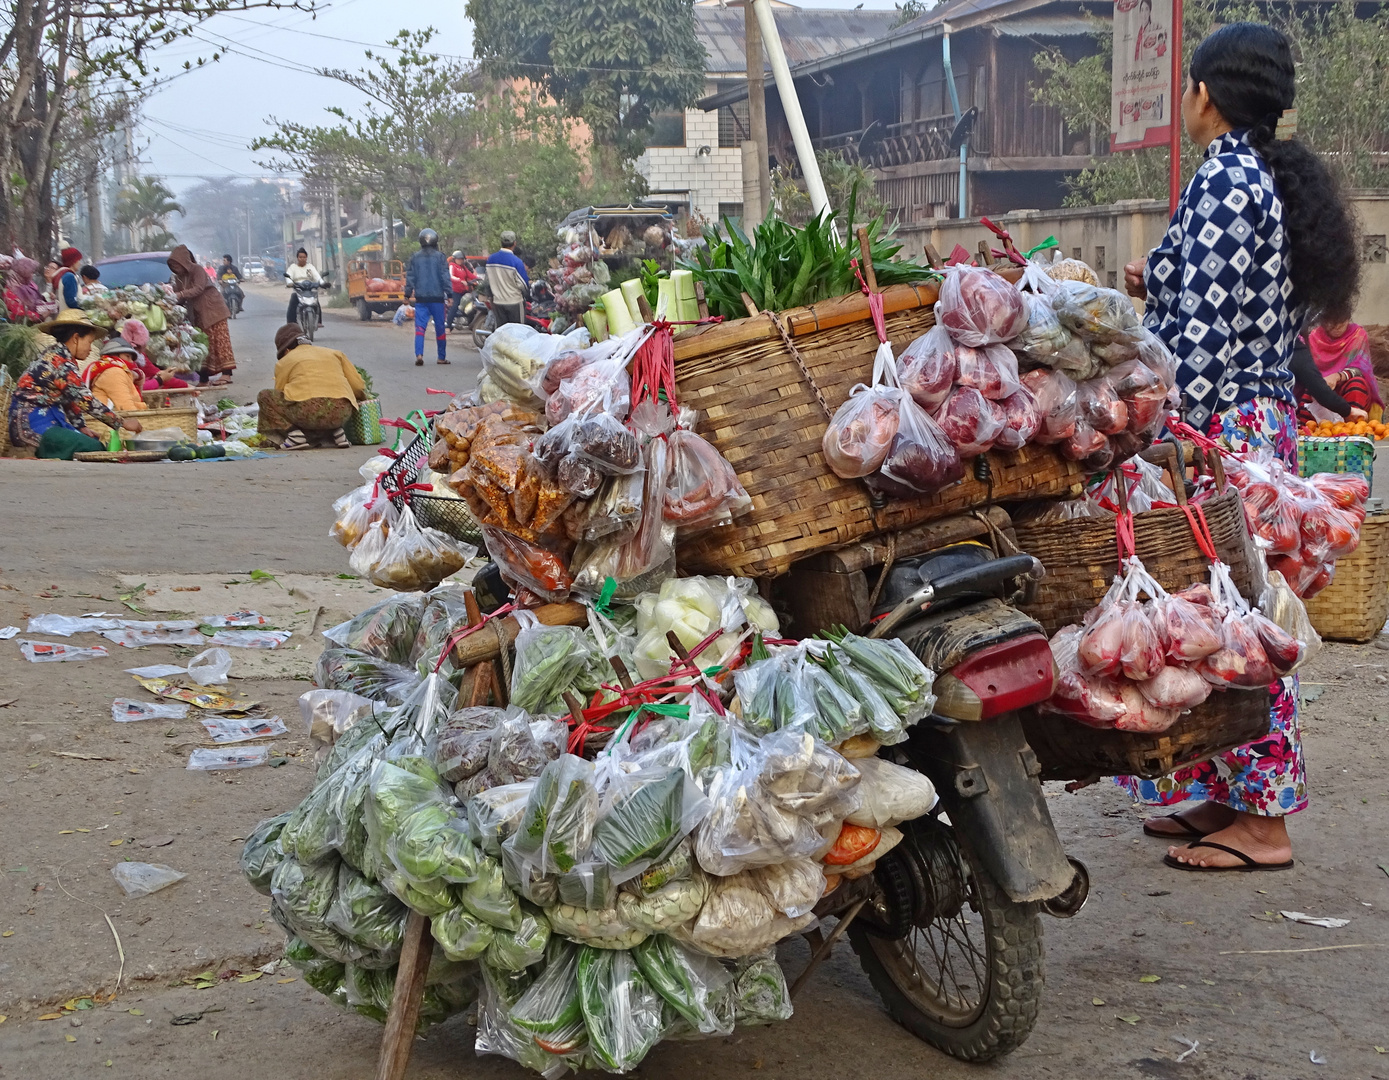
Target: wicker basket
x=185 y=419
x=761 y=411
x=364 y=426
x=1070 y=750
x=1356 y=603
x=6 y=393
x=1338 y=454
x=1081 y=557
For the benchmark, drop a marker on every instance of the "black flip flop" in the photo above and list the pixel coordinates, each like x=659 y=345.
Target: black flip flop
x=1188 y=829
x=1250 y=866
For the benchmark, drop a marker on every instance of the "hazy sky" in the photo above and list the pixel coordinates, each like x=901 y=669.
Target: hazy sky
x=202 y=122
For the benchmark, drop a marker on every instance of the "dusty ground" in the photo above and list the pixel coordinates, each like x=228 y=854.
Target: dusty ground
x=1256 y=994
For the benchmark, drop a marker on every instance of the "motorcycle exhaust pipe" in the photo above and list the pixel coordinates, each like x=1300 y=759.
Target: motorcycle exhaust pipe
x=1068 y=904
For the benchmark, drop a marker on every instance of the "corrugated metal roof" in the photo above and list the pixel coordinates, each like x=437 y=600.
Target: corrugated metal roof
x=806 y=35
x=1048 y=26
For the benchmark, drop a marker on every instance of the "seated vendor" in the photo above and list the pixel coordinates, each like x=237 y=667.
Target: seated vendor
x=114 y=377
x=316 y=392
x=155 y=378
x=51 y=404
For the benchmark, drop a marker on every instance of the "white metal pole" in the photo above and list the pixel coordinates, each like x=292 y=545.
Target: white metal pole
x=791 y=106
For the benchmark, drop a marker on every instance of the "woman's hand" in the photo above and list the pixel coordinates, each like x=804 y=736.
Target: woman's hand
x=1358 y=414
x=1133 y=280
x=131 y=424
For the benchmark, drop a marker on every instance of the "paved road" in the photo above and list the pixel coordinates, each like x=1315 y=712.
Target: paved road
x=272 y=512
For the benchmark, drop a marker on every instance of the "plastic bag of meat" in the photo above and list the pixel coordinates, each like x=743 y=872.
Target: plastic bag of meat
x=702 y=489
x=1021 y=419
x=1057 y=404
x=992 y=370
x=1088 y=447
x=1093 y=701
x=1141 y=715
x=1241 y=661
x=1282 y=606
x=921 y=460
x=1157 y=357
x=1284 y=651
x=1174 y=687
x=1101 y=408
x=971 y=421
x=1188 y=629
x=1142 y=651
x=977 y=307
x=926 y=368
x=858 y=437
x=1143 y=392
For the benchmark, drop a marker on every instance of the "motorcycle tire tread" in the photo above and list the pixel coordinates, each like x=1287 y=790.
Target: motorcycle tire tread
x=1016 y=994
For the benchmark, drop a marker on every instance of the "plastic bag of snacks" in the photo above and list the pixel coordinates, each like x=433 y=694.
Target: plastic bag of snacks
x=1103 y=316
x=416 y=558
x=977 y=307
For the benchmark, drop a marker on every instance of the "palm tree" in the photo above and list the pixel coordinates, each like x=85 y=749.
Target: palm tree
x=144 y=207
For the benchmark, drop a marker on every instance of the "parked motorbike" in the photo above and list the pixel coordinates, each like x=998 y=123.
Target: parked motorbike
x=539 y=311
x=948 y=927
x=310 y=314
x=233 y=295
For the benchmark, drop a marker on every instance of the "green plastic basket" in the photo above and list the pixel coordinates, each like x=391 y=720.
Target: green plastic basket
x=1336 y=454
x=364 y=426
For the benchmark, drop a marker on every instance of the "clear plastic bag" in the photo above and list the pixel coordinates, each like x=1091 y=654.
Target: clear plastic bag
x=926 y=369
x=689 y=983
x=556 y=829
x=549 y=1010
x=1022 y=418
x=702 y=489
x=1144 y=394
x=527 y=565
x=1173 y=687
x=141 y=879
x=1095 y=701
x=1044 y=334
x=861 y=431
x=615 y=511
x=920 y=459
x=978 y=307
x=1187 y=629
x=461 y=934
x=890 y=794
x=990 y=369
x=792 y=888
x=1101 y=407
x=643 y=816
x=124 y=710
x=491 y=899
x=416 y=558
x=603 y=928
x=1088 y=447
x=514 y=358
x=885 y=726
x=495 y=814
x=548 y=661
x=1284 y=608
x=1095 y=313
x=1057 y=403
x=354 y=516
x=366 y=913
x=970 y=421
x=674 y=904
x=515 y=753
x=433 y=843
x=516 y=950
x=621 y=1010
x=601 y=440
x=262 y=853
x=760 y=992
x=246 y=757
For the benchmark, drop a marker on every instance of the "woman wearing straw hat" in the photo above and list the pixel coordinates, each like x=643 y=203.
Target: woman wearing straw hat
x=51 y=402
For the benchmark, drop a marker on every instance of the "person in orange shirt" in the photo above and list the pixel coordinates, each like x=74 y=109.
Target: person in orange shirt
x=112 y=375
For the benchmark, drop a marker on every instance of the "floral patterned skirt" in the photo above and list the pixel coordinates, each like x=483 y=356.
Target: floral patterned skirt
x=1267 y=776
x=219 y=349
x=278 y=415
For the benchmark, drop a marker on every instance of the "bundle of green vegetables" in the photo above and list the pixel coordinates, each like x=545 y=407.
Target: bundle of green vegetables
x=781 y=266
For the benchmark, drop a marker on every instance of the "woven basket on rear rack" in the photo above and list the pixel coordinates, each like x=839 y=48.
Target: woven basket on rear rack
x=448 y=515
x=1070 y=750
x=761 y=411
x=1081 y=559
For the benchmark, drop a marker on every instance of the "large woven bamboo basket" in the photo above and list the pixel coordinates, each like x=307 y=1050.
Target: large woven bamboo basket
x=185 y=419
x=760 y=409
x=1356 y=603
x=1081 y=557
x=1070 y=750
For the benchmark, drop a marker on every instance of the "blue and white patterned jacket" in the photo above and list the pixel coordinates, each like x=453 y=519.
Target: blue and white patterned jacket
x=1219 y=294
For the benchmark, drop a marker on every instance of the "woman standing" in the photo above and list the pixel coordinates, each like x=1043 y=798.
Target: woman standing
x=1256 y=246
x=207 y=311
x=51 y=402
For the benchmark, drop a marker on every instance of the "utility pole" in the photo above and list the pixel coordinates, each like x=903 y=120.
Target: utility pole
x=755 y=162
x=337 y=238
x=91 y=186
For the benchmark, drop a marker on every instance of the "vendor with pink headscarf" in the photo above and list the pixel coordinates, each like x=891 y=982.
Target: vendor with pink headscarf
x=22 y=297
x=155 y=378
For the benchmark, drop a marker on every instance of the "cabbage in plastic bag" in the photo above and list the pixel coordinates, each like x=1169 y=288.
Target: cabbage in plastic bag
x=366 y=913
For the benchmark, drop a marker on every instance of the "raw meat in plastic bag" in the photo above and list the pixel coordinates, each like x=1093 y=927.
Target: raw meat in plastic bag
x=1086 y=445
x=1175 y=688
x=1188 y=629
x=970 y=421
x=1284 y=608
x=978 y=307
x=1142 y=391
x=703 y=490
x=857 y=440
x=1022 y=419
x=1240 y=661
x=1142 y=650
x=1057 y=404
x=920 y=459
x=991 y=369
x=1100 y=650
x=1141 y=715
x=1284 y=651
x=1096 y=701
x=926 y=369
x=1101 y=407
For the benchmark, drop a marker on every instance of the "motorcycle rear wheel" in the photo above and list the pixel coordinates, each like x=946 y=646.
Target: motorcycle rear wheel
x=967 y=976
x=483 y=324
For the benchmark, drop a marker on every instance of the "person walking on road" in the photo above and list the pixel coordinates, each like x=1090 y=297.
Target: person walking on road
x=509 y=282
x=1256 y=246
x=463 y=279
x=427 y=284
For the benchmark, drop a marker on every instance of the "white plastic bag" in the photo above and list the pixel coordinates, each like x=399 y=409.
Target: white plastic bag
x=210 y=667
x=50 y=652
x=204 y=760
x=890 y=794
x=142 y=878
x=124 y=710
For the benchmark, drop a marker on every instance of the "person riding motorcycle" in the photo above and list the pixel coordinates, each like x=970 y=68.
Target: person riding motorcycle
x=510 y=284
x=426 y=284
x=300 y=270
x=229 y=277
x=463 y=279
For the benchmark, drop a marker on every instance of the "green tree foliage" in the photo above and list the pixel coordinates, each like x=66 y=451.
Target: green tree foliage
x=1342 y=96
x=215 y=215
x=612 y=65
x=439 y=146
x=144 y=206
x=842 y=179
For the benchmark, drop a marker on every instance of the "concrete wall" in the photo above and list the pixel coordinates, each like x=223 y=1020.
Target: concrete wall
x=1107 y=237
x=710 y=179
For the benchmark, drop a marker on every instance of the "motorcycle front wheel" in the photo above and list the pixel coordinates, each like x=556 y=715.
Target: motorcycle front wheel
x=308 y=322
x=956 y=962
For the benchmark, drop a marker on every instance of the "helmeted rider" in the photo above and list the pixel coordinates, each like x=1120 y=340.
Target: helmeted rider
x=228 y=272
x=299 y=270
x=427 y=284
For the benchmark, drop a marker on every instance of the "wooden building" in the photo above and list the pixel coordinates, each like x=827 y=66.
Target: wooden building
x=886 y=102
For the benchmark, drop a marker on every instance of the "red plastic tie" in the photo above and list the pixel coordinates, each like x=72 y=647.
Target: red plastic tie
x=453 y=641
x=1201 y=529
x=1123 y=535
